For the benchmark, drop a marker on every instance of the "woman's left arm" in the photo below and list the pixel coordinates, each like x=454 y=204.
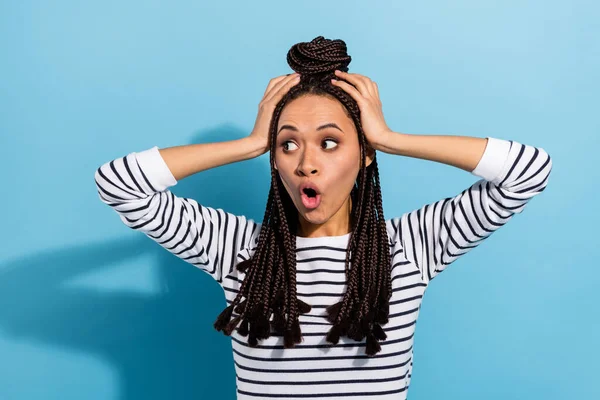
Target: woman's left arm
x=437 y=234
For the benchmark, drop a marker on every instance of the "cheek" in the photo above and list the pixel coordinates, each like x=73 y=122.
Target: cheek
x=284 y=179
x=344 y=177
x=346 y=166
x=281 y=167
x=281 y=162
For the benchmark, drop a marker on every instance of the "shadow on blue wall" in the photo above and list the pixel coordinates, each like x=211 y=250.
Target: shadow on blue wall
x=162 y=346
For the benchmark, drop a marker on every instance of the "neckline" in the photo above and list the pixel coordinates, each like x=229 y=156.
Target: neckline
x=325 y=239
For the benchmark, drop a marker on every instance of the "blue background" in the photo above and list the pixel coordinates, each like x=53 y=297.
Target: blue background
x=90 y=309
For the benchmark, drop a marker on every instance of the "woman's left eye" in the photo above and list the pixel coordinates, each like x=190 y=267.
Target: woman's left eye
x=332 y=141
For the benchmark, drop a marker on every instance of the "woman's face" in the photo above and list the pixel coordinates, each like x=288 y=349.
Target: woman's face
x=317 y=144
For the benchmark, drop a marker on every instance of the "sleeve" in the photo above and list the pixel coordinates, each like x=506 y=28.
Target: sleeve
x=136 y=187
x=437 y=234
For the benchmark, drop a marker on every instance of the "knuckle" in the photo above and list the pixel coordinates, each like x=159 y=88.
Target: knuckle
x=264 y=105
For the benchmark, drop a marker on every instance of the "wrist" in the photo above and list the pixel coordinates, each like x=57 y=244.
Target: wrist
x=253 y=146
x=383 y=141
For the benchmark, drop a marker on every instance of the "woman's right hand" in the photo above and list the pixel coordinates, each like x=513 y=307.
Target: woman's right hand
x=276 y=89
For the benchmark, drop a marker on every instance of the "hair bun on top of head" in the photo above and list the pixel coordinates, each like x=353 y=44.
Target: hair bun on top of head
x=319 y=58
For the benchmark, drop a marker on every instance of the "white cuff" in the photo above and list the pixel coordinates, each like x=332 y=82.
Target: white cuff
x=155 y=168
x=493 y=159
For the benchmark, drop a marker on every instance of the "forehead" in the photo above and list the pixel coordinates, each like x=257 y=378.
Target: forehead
x=309 y=111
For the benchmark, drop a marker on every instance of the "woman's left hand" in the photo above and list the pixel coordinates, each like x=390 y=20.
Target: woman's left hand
x=366 y=94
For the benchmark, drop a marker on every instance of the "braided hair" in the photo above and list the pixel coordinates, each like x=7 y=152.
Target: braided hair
x=269 y=287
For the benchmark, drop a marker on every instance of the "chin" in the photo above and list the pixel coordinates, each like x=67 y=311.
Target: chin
x=318 y=220
x=315 y=217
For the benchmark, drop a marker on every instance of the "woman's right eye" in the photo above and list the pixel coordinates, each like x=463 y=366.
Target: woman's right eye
x=289 y=142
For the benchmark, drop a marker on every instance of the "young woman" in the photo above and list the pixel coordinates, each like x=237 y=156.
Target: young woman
x=324 y=294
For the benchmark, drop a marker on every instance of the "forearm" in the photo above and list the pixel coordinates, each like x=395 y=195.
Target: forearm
x=463 y=152
x=189 y=159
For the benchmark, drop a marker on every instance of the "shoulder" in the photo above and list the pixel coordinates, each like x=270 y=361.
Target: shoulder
x=393 y=226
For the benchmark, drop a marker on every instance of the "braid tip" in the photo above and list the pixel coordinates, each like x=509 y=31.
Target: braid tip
x=378 y=332
x=373 y=346
x=296 y=332
x=231 y=325
x=243 y=329
x=303 y=308
x=288 y=339
x=240 y=308
x=333 y=311
x=223 y=318
x=333 y=336
x=243 y=265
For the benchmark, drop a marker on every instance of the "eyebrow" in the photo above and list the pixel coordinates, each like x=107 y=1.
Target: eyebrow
x=325 y=126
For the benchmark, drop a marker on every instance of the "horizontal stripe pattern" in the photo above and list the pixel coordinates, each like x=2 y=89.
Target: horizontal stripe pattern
x=422 y=243
x=317 y=369
x=439 y=233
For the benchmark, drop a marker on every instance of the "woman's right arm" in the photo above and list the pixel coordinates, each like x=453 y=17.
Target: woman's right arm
x=136 y=187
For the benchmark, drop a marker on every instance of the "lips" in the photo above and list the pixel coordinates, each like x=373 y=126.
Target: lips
x=310 y=194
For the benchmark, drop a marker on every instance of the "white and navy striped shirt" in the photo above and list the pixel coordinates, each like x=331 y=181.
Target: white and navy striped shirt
x=423 y=243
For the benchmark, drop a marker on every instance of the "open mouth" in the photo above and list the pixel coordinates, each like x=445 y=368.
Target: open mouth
x=310 y=192
x=310 y=198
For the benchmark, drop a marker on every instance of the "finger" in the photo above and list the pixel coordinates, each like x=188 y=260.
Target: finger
x=277 y=93
x=371 y=87
x=376 y=89
x=359 y=81
x=351 y=90
x=366 y=81
x=273 y=82
x=281 y=87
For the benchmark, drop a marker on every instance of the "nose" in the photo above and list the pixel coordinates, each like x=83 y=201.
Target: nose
x=308 y=164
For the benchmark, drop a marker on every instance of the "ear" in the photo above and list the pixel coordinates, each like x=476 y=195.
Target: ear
x=370 y=154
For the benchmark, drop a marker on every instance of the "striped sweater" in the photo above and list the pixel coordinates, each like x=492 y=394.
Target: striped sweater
x=423 y=243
